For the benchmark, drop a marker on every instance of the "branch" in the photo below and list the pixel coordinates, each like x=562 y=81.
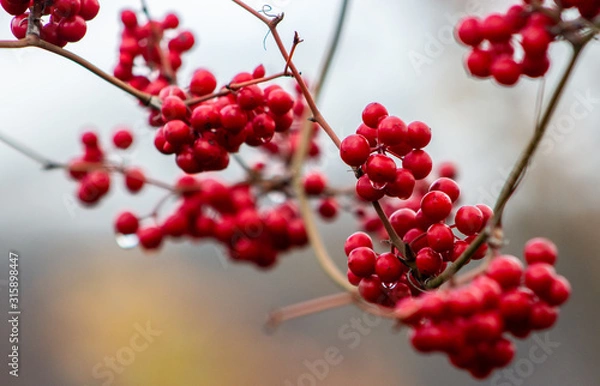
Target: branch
x=35 y=41
x=48 y=164
x=516 y=175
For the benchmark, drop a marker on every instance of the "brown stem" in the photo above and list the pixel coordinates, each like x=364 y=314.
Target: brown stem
x=233 y=87
x=35 y=41
x=516 y=175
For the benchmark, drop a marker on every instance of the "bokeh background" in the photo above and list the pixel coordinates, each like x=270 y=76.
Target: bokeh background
x=84 y=299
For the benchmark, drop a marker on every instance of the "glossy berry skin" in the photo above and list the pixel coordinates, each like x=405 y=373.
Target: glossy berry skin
x=402 y=186
x=73 y=29
x=150 y=238
x=203 y=83
x=126 y=223
x=123 y=139
x=468 y=220
x=506 y=270
x=539 y=277
x=366 y=191
x=391 y=131
x=448 y=186
x=540 y=250
x=469 y=31
x=178 y=132
x=370 y=289
x=355 y=150
x=388 y=267
x=496 y=29
x=419 y=163
x=403 y=220
x=436 y=205
x=357 y=240
x=535 y=41
x=381 y=168
x=428 y=261
x=418 y=135
x=373 y=113
x=506 y=71
x=134 y=180
x=559 y=292
x=314 y=183
x=479 y=63
x=440 y=237
x=280 y=102
x=361 y=261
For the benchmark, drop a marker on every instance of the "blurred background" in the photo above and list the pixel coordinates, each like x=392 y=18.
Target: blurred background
x=186 y=316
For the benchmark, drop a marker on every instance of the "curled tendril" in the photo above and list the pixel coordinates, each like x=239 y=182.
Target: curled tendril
x=266 y=9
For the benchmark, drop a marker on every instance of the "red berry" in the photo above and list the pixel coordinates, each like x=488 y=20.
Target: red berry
x=506 y=270
x=123 y=138
x=391 y=131
x=487 y=213
x=357 y=240
x=280 y=102
x=542 y=316
x=381 y=168
x=129 y=19
x=506 y=71
x=150 y=238
x=540 y=250
x=469 y=31
x=403 y=186
x=361 y=261
x=479 y=63
x=355 y=150
x=419 y=135
x=402 y=221
x=428 y=261
x=448 y=186
x=89 y=9
x=365 y=189
x=539 y=277
x=178 y=133
x=495 y=28
x=535 y=41
x=203 y=83
x=182 y=42
x=440 y=237
x=468 y=220
x=328 y=208
x=370 y=289
x=173 y=108
x=126 y=223
x=134 y=180
x=314 y=183
x=72 y=29
x=436 y=205
x=373 y=113
x=559 y=292
x=419 y=163
x=388 y=267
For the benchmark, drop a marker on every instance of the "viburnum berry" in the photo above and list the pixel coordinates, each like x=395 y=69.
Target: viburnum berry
x=357 y=240
x=402 y=186
x=402 y=221
x=428 y=261
x=479 y=63
x=388 y=267
x=280 y=102
x=469 y=31
x=539 y=277
x=72 y=29
x=540 y=250
x=361 y=261
x=370 y=289
x=506 y=270
x=495 y=28
x=448 y=186
x=355 y=150
x=436 y=205
x=506 y=71
x=328 y=208
x=126 y=223
x=440 y=237
x=419 y=163
x=468 y=220
x=203 y=83
x=314 y=183
x=177 y=132
x=373 y=113
x=391 y=131
x=418 y=135
x=150 y=238
x=134 y=180
x=559 y=292
x=535 y=41
x=122 y=139
x=366 y=191
x=89 y=9
x=381 y=168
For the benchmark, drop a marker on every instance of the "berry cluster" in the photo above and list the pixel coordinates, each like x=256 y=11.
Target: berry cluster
x=371 y=150
x=66 y=24
x=203 y=135
x=471 y=323
x=494 y=40
x=229 y=215
x=92 y=170
x=146 y=41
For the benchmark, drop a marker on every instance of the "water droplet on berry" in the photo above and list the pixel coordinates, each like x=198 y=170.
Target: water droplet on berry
x=127 y=241
x=378 y=185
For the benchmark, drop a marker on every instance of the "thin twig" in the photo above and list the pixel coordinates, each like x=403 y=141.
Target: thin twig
x=515 y=177
x=35 y=41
